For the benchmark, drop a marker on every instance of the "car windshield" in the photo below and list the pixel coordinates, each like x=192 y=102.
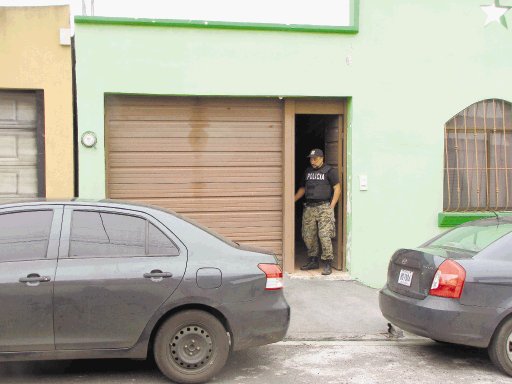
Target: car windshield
x=472 y=238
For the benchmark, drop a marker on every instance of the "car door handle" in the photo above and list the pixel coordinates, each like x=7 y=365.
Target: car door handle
x=156 y=273
x=34 y=278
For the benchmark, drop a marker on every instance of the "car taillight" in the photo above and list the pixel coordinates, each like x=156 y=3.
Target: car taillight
x=274 y=276
x=448 y=280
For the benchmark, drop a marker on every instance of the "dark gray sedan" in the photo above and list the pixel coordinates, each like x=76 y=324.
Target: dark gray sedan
x=115 y=280
x=457 y=288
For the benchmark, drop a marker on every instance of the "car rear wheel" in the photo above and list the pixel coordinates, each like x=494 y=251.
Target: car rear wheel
x=191 y=347
x=500 y=349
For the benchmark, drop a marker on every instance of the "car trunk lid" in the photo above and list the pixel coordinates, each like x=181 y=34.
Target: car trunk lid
x=411 y=271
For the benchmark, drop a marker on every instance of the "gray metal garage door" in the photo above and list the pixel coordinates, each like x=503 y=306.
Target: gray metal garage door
x=18 y=150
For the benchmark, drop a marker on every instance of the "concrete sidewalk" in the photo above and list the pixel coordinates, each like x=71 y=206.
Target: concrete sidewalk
x=334 y=309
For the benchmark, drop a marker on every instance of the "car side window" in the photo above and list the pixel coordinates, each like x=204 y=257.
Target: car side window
x=159 y=244
x=24 y=235
x=101 y=234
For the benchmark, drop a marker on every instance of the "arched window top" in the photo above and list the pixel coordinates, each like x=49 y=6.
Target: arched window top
x=478 y=158
x=488 y=113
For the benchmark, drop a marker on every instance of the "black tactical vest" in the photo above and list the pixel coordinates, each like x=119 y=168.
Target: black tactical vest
x=317 y=185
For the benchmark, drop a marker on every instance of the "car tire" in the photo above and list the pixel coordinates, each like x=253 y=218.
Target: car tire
x=500 y=350
x=191 y=347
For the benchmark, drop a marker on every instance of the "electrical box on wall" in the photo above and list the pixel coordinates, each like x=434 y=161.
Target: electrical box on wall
x=65 y=36
x=363 y=182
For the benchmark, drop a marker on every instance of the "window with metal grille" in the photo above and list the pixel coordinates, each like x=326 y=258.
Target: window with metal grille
x=478 y=158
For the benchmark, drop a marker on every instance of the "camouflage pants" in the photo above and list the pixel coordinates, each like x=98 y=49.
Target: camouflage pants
x=318 y=224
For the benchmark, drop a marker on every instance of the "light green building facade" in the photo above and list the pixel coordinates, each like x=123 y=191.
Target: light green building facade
x=405 y=69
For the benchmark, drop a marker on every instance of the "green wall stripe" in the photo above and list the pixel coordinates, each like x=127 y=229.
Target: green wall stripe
x=452 y=219
x=352 y=29
x=354 y=14
x=213 y=25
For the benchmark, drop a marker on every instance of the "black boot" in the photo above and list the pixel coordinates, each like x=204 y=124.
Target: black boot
x=327 y=267
x=311 y=264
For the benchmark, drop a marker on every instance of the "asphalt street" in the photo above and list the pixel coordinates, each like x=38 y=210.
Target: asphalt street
x=367 y=361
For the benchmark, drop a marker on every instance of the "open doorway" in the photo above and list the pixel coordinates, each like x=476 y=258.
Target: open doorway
x=324 y=132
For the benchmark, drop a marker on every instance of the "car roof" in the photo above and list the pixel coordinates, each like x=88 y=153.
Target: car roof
x=85 y=202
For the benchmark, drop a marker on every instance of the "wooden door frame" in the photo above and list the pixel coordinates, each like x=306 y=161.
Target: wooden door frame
x=320 y=106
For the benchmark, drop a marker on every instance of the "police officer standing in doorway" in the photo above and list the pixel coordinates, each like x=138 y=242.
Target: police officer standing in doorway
x=321 y=185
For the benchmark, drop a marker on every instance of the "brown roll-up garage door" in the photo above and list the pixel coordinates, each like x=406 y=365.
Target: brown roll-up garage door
x=216 y=160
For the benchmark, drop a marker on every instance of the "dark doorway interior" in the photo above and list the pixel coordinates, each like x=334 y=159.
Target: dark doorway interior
x=312 y=131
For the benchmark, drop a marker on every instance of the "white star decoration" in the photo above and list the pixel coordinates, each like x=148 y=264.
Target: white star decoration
x=495 y=13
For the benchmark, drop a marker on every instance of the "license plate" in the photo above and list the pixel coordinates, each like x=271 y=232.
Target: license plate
x=405 y=277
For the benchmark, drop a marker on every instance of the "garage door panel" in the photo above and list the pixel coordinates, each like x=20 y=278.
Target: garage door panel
x=224 y=204
x=194 y=144
x=17 y=107
x=176 y=129
x=193 y=159
x=216 y=160
x=116 y=101
x=27 y=181
x=27 y=148
x=18 y=181
x=18 y=147
x=243 y=237
x=165 y=175
x=230 y=226
x=192 y=103
x=191 y=179
x=196 y=190
x=252 y=234
x=262 y=219
x=275 y=246
x=267 y=188
x=195 y=113
x=275 y=231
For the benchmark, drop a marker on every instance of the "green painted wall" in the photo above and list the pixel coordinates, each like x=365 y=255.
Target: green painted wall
x=411 y=67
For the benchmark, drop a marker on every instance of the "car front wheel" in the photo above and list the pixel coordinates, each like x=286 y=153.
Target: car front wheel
x=191 y=347
x=500 y=349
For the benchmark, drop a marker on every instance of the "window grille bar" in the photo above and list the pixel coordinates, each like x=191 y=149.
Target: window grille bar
x=457 y=163
x=468 y=178
x=447 y=162
x=505 y=152
x=496 y=180
x=487 y=186
x=475 y=135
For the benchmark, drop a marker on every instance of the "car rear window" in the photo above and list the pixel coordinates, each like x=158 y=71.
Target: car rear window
x=471 y=238
x=109 y=234
x=159 y=244
x=104 y=234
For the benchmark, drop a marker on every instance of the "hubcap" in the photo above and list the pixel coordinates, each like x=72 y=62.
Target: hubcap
x=191 y=347
x=509 y=347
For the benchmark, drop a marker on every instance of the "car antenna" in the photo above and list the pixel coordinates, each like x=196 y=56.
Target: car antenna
x=497 y=216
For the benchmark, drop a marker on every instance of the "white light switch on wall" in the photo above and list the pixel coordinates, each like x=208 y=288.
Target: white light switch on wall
x=363 y=183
